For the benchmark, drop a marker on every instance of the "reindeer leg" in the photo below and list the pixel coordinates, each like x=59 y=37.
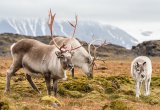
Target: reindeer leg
x=48 y=82
x=65 y=76
x=137 y=89
x=146 y=87
x=72 y=71
x=13 y=68
x=149 y=82
x=55 y=86
x=140 y=84
x=29 y=79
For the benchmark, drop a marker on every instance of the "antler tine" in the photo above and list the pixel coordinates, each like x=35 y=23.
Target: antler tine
x=70 y=49
x=50 y=25
x=51 y=21
x=89 y=46
x=95 y=48
x=74 y=25
x=97 y=58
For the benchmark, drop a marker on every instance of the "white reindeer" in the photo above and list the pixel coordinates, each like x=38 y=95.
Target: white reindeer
x=141 y=70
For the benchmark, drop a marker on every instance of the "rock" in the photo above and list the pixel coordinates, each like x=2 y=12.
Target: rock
x=148 y=48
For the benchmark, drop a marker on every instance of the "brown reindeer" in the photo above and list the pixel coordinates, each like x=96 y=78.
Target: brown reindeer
x=38 y=58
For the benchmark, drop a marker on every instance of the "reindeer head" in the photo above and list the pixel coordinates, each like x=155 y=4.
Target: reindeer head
x=65 y=54
x=139 y=70
x=90 y=61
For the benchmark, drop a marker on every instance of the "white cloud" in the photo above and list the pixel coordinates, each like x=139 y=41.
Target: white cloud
x=130 y=15
x=109 y=10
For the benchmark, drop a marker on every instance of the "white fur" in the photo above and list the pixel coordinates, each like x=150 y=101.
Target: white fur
x=65 y=76
x=12 y=47
x=147 y=73
x=80 y=55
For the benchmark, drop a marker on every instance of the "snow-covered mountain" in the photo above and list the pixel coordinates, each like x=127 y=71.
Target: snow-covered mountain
x=85 y=29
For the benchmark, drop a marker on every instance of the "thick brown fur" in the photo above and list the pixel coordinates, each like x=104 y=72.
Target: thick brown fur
x=36 y=57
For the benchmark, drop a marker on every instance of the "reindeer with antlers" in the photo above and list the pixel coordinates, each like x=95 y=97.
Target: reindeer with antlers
x=38 y=58
x=81 y=57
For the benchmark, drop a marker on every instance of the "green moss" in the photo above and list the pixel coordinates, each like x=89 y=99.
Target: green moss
x=110 y=90
x=129 y=92
x=120 y=79
x=75 y=94
x=51 y=100
x=114 y=96
x=98 y=88
x=119 y=105
x=111 y=86
x=4 y=105
x=151 y=100
x=64 y=92
x=155 y=81
x=75 y=88
x=15 y=96
x=83 y=87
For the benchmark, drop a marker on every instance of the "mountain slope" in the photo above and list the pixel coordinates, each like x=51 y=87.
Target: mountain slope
x=85 y=29
x=7 y=39
x=148 y=48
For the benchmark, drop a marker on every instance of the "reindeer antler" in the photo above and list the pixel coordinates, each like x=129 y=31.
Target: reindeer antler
x=91 y=43
x=74 y=25
x=50 y=25
x=95 y=50
x=63 y=48
x=51 y=21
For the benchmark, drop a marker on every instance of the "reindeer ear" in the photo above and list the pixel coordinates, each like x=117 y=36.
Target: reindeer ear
x=59 y=54
x=144 y=63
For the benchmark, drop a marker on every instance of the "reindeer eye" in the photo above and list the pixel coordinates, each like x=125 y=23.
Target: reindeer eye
x=87 y=60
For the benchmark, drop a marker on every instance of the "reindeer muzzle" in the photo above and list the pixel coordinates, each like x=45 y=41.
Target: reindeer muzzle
x=70 y=66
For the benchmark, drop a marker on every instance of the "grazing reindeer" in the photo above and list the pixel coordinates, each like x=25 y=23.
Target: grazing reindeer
x=141 y=70
x=38 y=58
x=81 y=57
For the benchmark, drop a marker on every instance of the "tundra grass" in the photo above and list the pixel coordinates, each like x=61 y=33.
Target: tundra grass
x=106 y=91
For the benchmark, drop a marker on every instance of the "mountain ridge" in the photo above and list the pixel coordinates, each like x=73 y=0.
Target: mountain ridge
x=85 y=29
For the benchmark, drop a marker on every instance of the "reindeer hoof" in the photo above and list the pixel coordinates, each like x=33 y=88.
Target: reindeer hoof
x=6 y=91
x=146 y=94
x=137 y=96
